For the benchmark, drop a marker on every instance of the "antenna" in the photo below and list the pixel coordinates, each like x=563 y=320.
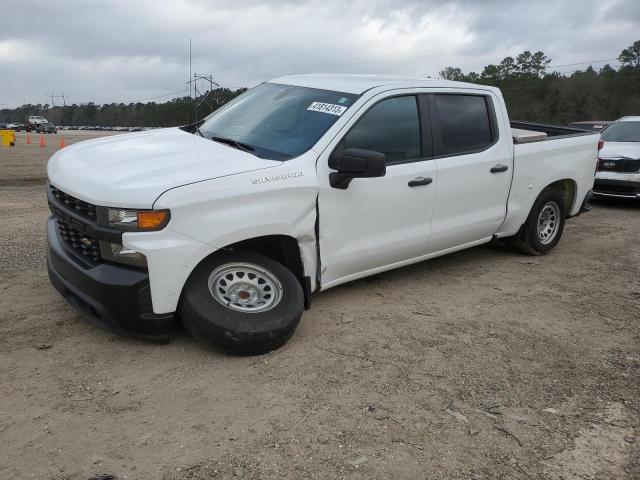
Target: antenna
x=196 y=93
x=190 y=97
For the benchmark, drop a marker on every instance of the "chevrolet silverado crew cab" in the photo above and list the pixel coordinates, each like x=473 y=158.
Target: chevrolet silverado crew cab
x=300 y=184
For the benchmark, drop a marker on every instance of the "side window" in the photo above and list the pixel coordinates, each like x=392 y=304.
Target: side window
x=391 y=127
x=464 y=123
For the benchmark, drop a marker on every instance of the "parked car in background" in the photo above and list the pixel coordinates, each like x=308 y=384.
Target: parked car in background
x=36 y=120
x=618 y=172
x=16 y=126
x=46 y=127
x=33 y=122
x=296 y=186
x=591 y=125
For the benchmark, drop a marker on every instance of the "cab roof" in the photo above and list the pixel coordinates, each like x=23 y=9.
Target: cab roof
x=630 y=119
x=360 y=83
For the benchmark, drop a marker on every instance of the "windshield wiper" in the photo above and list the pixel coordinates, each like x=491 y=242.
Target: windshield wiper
x=233 y=143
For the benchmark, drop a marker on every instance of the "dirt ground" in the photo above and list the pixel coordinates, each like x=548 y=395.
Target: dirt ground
x=485 y=364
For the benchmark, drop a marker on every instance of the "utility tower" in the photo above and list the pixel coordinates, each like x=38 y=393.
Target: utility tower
x=203 y=86
x=53 y=96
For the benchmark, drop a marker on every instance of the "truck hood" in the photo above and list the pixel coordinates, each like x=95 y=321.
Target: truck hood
x=133 y=170
x=620 y=149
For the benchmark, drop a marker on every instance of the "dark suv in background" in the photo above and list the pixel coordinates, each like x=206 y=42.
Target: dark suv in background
x=46 y=127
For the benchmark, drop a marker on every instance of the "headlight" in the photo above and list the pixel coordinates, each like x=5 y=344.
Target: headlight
x=115 y=252
x=137 y=219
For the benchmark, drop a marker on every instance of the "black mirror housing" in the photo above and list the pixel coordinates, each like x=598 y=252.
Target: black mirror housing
x=355 y=163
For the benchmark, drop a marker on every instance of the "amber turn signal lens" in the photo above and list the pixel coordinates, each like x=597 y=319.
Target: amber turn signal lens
x=151 y=219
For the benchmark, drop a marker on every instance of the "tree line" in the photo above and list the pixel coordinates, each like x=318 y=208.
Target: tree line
x=534 y=92
x=531 y=89
x=135 y=114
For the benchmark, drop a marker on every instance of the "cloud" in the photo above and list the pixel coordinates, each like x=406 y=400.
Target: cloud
x=118 y=50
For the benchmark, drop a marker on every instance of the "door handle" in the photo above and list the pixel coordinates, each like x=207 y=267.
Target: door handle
x=416 y=182
x=499 y=168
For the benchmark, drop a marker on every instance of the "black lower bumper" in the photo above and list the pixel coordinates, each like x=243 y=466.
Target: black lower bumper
x=616 y=188
x=114 y=297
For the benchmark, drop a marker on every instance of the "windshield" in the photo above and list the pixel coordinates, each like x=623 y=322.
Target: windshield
x=622 y=132
x=277 y=121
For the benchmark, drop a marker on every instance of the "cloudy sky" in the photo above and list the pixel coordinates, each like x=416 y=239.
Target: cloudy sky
x=130 y=50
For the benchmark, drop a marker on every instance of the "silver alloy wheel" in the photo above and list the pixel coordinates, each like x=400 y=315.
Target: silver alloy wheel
x=548 y=222
x=245 y=287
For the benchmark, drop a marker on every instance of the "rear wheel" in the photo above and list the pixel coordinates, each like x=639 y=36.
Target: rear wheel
x=242 y=302
x=544 y=226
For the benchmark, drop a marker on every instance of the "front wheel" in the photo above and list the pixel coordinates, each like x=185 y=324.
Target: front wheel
x=544 y=226
x=242 y=302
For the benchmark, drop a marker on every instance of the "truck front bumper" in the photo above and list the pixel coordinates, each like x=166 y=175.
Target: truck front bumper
x=117 y=298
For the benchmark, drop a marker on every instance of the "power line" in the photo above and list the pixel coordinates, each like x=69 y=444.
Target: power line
x=583 y=63
x=157 y=96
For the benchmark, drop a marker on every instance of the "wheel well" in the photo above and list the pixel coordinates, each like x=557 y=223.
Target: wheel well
x=568 y=189
x=283 y=249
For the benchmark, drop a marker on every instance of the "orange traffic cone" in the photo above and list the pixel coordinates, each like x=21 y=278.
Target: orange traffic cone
x=42 y=144
x=62 y=142
x=28 y=139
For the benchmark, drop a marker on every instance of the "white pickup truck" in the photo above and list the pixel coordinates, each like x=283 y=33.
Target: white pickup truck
x=298 y=185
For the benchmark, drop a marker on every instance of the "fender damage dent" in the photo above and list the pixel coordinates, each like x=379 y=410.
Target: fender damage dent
x=221 y=212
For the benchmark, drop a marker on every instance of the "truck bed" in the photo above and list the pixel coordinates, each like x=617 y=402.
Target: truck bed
x=527 y=132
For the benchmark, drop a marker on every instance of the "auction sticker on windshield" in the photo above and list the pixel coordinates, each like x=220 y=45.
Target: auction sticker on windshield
x=327 y=108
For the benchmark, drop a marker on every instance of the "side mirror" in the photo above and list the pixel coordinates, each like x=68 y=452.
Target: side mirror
x=355 y=163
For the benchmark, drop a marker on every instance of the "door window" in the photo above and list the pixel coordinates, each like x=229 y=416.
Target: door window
x=464 y=124
x=391 y=127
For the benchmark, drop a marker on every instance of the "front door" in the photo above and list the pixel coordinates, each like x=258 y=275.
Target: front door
x=377 y=223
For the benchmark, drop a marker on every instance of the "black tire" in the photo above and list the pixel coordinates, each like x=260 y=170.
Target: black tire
x=528 y=240
x=242 y=333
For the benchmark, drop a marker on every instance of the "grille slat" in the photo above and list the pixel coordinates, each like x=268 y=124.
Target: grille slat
x=622 y=165
x=78 y=206
x=82 y=243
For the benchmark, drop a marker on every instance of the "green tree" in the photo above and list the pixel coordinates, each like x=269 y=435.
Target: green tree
x=491 y=73
x=630 y=57
x=507 y=68
x=607 y=71
x=452 y=73
x=539 y=63
x=532 y=65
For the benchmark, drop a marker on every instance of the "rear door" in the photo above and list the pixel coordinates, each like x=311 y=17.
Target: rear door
x=474 y=161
